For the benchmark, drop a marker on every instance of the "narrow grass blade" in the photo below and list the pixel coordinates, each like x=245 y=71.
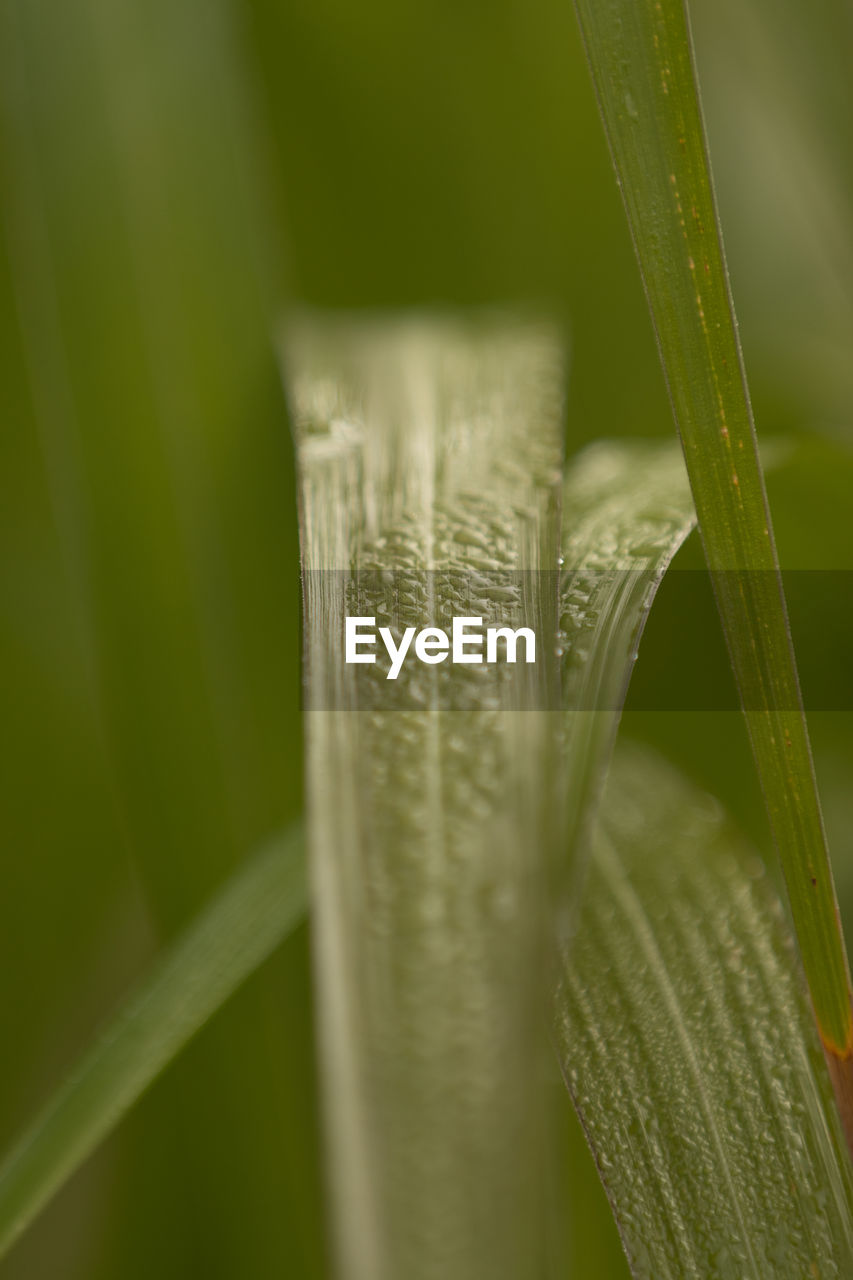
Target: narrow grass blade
x=255 y=911
x=642 y=66
x=685 y=1039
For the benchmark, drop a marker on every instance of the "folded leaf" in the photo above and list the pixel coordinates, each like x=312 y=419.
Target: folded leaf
x=447 y=803
x=626 y=510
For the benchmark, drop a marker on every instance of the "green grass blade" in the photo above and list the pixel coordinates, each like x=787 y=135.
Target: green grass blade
x=243 y=925
x=641 y=60
x=686 y=1041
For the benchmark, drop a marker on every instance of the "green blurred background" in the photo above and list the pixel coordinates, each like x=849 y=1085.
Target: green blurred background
x=171 y=176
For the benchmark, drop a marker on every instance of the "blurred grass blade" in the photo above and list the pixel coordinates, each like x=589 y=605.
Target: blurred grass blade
x=145 y=280
x=642 y=66
x=255 y=911
x=771 y=80
x=686 y=1042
